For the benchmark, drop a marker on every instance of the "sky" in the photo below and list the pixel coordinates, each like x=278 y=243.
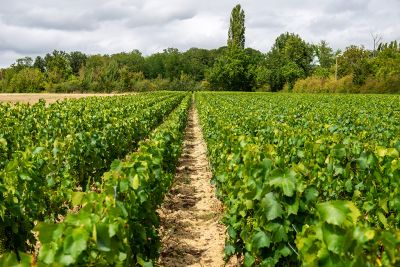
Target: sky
x=37 y=27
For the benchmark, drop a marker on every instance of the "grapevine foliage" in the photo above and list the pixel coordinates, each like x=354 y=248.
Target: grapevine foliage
x=311 y=180
x=57 y=166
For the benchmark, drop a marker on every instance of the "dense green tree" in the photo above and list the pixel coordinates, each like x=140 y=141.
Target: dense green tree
x=231 y=71
x=22 y=63
x=133 y=61
x=255 y=56
x=27 y=80
x=195 y=62
x=325 y=55
x=236 y=34
x=387 y=62
x=355 y=61
x=40 y=64
x=289 y=59
x=154 y=66
x=76 y=60
x=172 y=63
x=57 y=66
x=6 y=76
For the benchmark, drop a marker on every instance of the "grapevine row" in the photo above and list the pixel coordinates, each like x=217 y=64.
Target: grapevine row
x=37 y=183
x=118 y=226
x=307 y=180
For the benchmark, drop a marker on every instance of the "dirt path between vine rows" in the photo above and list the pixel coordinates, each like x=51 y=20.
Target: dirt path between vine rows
x=191 y=232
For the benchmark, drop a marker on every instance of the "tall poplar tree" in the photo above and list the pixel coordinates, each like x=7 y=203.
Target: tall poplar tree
x=232 y=70
x=236 y=28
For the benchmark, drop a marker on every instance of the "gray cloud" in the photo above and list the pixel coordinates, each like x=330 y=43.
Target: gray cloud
x=36 y=27
x=341 y=6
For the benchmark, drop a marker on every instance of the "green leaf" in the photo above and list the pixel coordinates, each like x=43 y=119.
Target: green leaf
x=37 y=150
x=75 y=243
x=48 y=232
x=286 y=181
x=135 y=182
x=339 y=151
x=261 y=240
x=47 y=253
x=285 y=251
x=103 y=237
x=248 y=260
x=362 y=235
x=3 y=142
x=229 y=250
x=231 y=232
x=77 y=198
x=334 y=238
x=272 y=207
x=25 y=176
x=293 y=208
x=9 y=260
x=122 y=256
x=67 y=260
x=362 y=162
x=311 y=194
x=112 y=229
x=338 y=212
x=26 y=260
x=383 y=219
x=123 y=186
x=116 y=165
x=278 y=231
x=143 y=263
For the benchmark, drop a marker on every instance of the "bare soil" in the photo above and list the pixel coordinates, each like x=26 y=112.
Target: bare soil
x=50 y=98
x=191 y=232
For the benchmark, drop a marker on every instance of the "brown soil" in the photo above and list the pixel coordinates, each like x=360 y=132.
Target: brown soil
x=50 y=98
x=191 y=232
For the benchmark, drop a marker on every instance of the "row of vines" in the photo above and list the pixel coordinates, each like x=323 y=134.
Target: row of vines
x=60 y=202
x=307 y=180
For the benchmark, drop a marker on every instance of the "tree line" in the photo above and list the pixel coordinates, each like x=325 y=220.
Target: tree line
x=292 y=64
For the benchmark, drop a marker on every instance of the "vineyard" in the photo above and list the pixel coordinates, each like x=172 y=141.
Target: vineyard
x=55 y=173
x=310 y=180
x=305 y=180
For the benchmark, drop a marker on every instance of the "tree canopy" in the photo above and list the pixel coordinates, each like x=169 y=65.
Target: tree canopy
x=236 y=33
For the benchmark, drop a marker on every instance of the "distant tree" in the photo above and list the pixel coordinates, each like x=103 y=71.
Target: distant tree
x=325 y=55
x=387 y=62
x=133 y=61
x=289 y=59
x=6 y=77
x=195 y=62
x=40 y=64
x=236 y=34
x=172 y=63
x=77 y=60
x=22 y=63
x=255 y=56
x=27 y=80
x=231 y=71
x=154 y=66
x=58 y=66
x=392 y=45
x=355 y=61
x=109 y=76
x=92 y=72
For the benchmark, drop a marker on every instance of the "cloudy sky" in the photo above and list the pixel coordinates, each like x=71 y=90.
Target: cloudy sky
x=36 y=27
